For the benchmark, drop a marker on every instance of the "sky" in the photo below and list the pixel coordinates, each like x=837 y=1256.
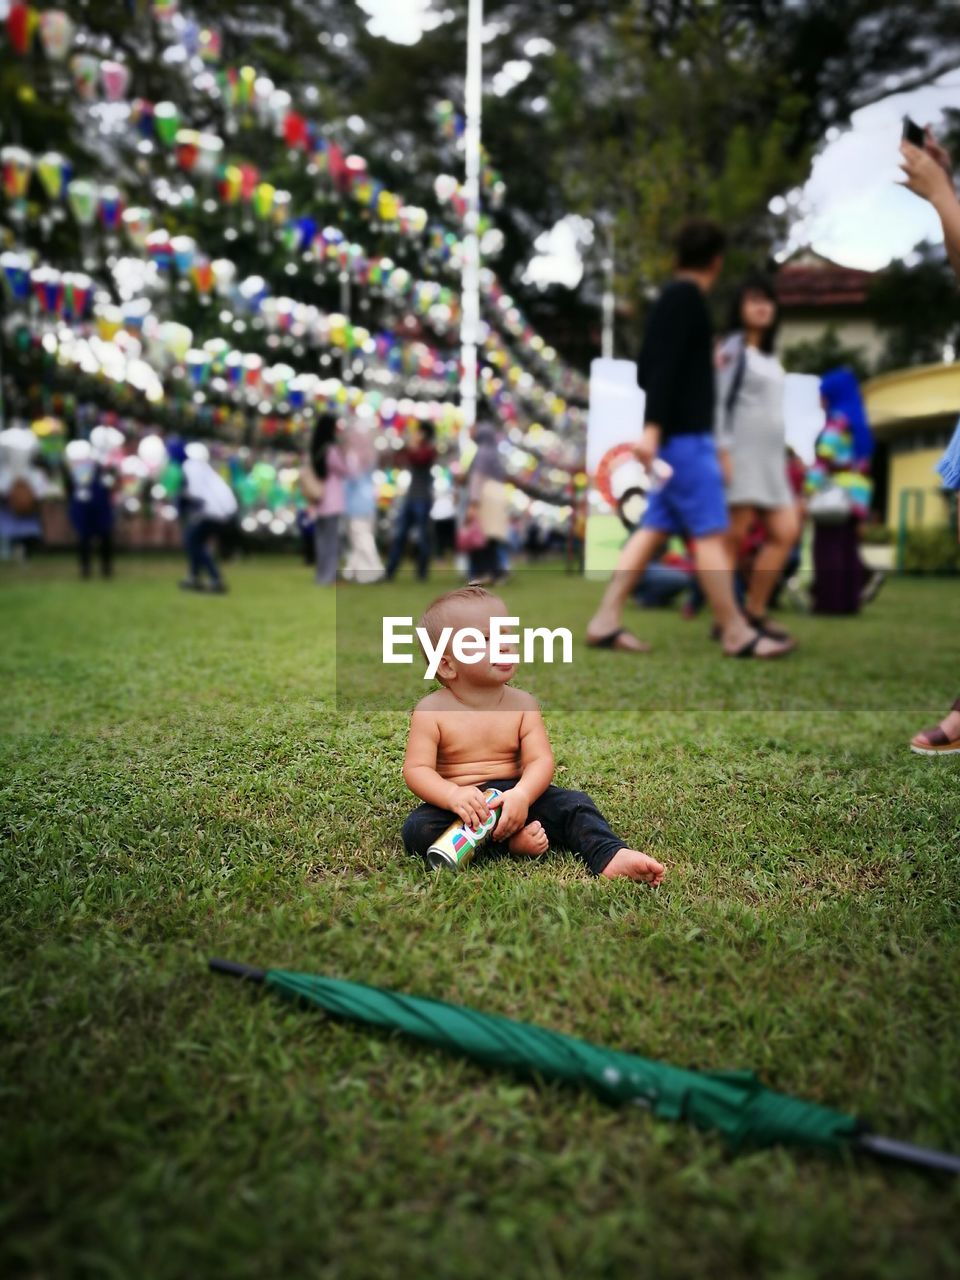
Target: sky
x=851 y=209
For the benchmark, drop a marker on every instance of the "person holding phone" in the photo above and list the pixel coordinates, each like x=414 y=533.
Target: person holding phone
x=929 y=174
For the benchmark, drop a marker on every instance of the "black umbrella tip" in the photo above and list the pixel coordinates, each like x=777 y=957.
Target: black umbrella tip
x=235 y=970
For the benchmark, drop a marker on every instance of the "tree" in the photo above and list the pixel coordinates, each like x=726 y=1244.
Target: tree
x=916 y=304
x=826 y=352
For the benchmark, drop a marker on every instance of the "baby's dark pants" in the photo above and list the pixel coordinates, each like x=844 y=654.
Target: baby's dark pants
x=570 y=818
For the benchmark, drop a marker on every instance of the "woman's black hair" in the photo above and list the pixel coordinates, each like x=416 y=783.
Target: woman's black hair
x=757 y=283
x=324 y=434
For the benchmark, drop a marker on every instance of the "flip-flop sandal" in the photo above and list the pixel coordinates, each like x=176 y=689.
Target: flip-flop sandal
x=749 y=650
x=611 y=641
x=937 y=743
x=767 y=628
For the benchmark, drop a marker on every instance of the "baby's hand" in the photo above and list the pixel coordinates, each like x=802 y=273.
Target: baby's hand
x=470 y=805
x=513 y=813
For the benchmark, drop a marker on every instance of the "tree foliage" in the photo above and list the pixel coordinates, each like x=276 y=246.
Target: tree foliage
x=829 y=351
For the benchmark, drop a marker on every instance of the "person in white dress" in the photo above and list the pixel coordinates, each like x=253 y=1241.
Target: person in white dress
x=751 y=438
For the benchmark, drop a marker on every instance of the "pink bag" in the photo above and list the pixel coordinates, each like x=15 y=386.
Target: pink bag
x=470 y=536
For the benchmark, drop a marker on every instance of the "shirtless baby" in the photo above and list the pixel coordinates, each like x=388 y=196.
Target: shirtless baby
x=476 y=732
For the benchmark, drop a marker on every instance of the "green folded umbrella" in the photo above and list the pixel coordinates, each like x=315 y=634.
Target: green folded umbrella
x=733 y=1103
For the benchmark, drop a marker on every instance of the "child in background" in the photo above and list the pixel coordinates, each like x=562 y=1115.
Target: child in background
x=477 y=732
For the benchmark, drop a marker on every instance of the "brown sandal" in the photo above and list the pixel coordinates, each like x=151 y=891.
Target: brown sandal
x=766 y=627
x=937 y=743
x=613 y=641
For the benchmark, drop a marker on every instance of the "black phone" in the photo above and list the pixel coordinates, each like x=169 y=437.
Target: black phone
x=912 y=133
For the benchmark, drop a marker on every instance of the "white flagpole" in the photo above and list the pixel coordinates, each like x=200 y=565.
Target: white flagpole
x=470 y=287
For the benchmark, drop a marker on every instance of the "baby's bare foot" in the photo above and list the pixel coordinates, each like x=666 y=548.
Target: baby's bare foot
x=635 y=866
x=530 y=839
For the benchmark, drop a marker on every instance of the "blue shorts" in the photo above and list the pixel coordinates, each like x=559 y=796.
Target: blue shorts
x=692 y=502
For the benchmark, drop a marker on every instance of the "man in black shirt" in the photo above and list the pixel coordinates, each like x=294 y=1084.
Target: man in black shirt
x=675 y=369
x=419 y=456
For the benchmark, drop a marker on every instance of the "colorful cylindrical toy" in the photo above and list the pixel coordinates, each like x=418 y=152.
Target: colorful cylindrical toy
x=456 y=847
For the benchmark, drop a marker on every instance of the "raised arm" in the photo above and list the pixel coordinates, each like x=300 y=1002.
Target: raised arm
x=927 y=175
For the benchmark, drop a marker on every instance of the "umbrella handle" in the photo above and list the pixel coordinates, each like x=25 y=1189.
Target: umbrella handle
x=237 y=970
x=907 y=1153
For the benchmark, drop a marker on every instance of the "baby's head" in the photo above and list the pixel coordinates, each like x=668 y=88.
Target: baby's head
x=468 y=608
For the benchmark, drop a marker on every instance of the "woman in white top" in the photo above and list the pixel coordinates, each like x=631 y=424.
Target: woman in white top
x=751 y=437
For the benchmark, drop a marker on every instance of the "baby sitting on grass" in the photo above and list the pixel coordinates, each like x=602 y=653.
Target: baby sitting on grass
x=478 y=732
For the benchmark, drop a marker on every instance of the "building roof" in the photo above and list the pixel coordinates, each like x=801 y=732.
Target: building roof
x=810 y=280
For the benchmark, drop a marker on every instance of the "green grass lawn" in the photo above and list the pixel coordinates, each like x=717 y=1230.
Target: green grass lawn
x=177 y=780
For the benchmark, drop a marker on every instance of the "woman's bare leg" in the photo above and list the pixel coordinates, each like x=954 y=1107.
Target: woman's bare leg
x=782 y=533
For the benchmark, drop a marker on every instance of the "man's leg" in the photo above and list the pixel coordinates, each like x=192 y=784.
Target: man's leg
x=398 y=547
x=190 y=544
x=106 y=553
x=716 y=578
x=85 y=548
x=660 y=584
x=632 y=561
x=203 y=557
x=424 y=539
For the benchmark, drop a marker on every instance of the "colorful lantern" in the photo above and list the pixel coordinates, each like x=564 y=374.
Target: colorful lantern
x=111 y=208
x=209 y=45
x=263 y=197
x=17 y=165
x=165 y=10
x=230 y=184
x=253 y=290
x=85 y=70
x=78 y=294
x=22 y=22
x=187 y=144
x=82 y=197
x=295 y=130
x=224 y=275
x=445 y=187
x=278 y=109
x=233 y=368
x=388 y=207
x=134 y=313
x=197 y=363
x=261 y=90
x=16 y=274
x=281 y=208
x=176 y=339
x=47 y=284
x=141 y=117
x=209 y=154
x=218 y=350
x=201 y=275
x=53 y=170
x=115 y=78
x=159 y=248
x=109 y=321
x=249 y=177
x=356 y=168
x=166 y=122
x=252 y=370
x=137 y=223
x=56 y=34
x=184 y=251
